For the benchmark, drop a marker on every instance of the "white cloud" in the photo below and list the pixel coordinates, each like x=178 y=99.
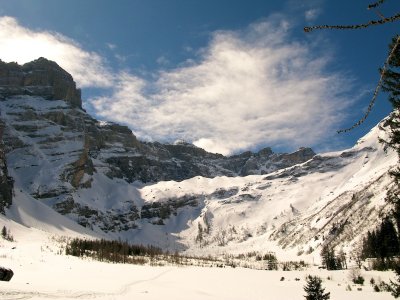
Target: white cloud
x=120 y=58
x=22 y=45
x=162 y=60
x=111 y=46
x=312 y=14
x=250 y=88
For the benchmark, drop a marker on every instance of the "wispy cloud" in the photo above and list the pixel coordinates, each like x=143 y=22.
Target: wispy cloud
x=111 y=46
x=162 y=61
x=249 y=88
x=20 y=44
x=312 y=14
x=246 y=89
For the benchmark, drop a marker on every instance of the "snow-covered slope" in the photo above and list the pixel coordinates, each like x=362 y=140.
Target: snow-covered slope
x=332 y=198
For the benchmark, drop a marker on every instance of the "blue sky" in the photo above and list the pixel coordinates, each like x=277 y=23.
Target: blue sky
x=227 y=75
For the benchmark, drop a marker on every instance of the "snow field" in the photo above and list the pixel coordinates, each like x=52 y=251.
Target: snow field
x=41 y=272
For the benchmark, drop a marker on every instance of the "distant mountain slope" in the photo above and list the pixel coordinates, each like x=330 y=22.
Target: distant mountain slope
x=332 y=198
x=67 y=168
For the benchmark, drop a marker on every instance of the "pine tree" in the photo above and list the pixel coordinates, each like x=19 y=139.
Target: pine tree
x=389 y=243
x=391 y=85
x=329 y=258
x=314 y=289
x=395 y=286
x=4 y=232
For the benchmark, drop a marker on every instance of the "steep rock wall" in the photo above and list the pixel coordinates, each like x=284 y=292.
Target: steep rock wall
x=6 y=182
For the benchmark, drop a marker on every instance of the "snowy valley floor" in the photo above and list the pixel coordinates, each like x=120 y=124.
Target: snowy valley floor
x=42 y=273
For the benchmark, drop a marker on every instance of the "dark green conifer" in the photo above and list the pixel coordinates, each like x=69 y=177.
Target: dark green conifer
x=314 y=289
x=391 y=85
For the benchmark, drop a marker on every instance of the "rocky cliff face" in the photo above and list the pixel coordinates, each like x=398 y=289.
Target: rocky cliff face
x=55 y=151
x=6 y=182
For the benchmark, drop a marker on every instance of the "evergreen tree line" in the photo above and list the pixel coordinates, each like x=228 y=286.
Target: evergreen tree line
x=382 y=244
x=332 y=260
x=112 y=251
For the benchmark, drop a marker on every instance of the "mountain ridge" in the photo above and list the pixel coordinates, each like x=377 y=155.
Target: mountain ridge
x=179 y=196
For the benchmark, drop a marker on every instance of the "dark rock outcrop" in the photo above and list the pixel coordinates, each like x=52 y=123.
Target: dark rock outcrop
x=6 y=182
x=6 y=274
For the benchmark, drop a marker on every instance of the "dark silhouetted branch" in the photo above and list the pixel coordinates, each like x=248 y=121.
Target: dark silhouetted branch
x=358 y=26
x=378 y=87
x=376 y=4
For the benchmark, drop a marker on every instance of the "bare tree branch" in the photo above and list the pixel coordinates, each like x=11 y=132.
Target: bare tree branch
x=358 y=26
x=380 y=14
x=376 y=4
x=378 y=87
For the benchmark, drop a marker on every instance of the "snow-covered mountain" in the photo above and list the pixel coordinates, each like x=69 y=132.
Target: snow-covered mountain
x=66 y=168
x=332 y=198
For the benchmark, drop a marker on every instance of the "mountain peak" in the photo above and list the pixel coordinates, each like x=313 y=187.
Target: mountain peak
x=41 y=77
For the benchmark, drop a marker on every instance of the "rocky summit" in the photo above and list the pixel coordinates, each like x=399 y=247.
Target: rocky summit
x=40 y=77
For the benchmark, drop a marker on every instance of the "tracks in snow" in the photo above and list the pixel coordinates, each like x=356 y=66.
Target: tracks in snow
x=124 y=290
